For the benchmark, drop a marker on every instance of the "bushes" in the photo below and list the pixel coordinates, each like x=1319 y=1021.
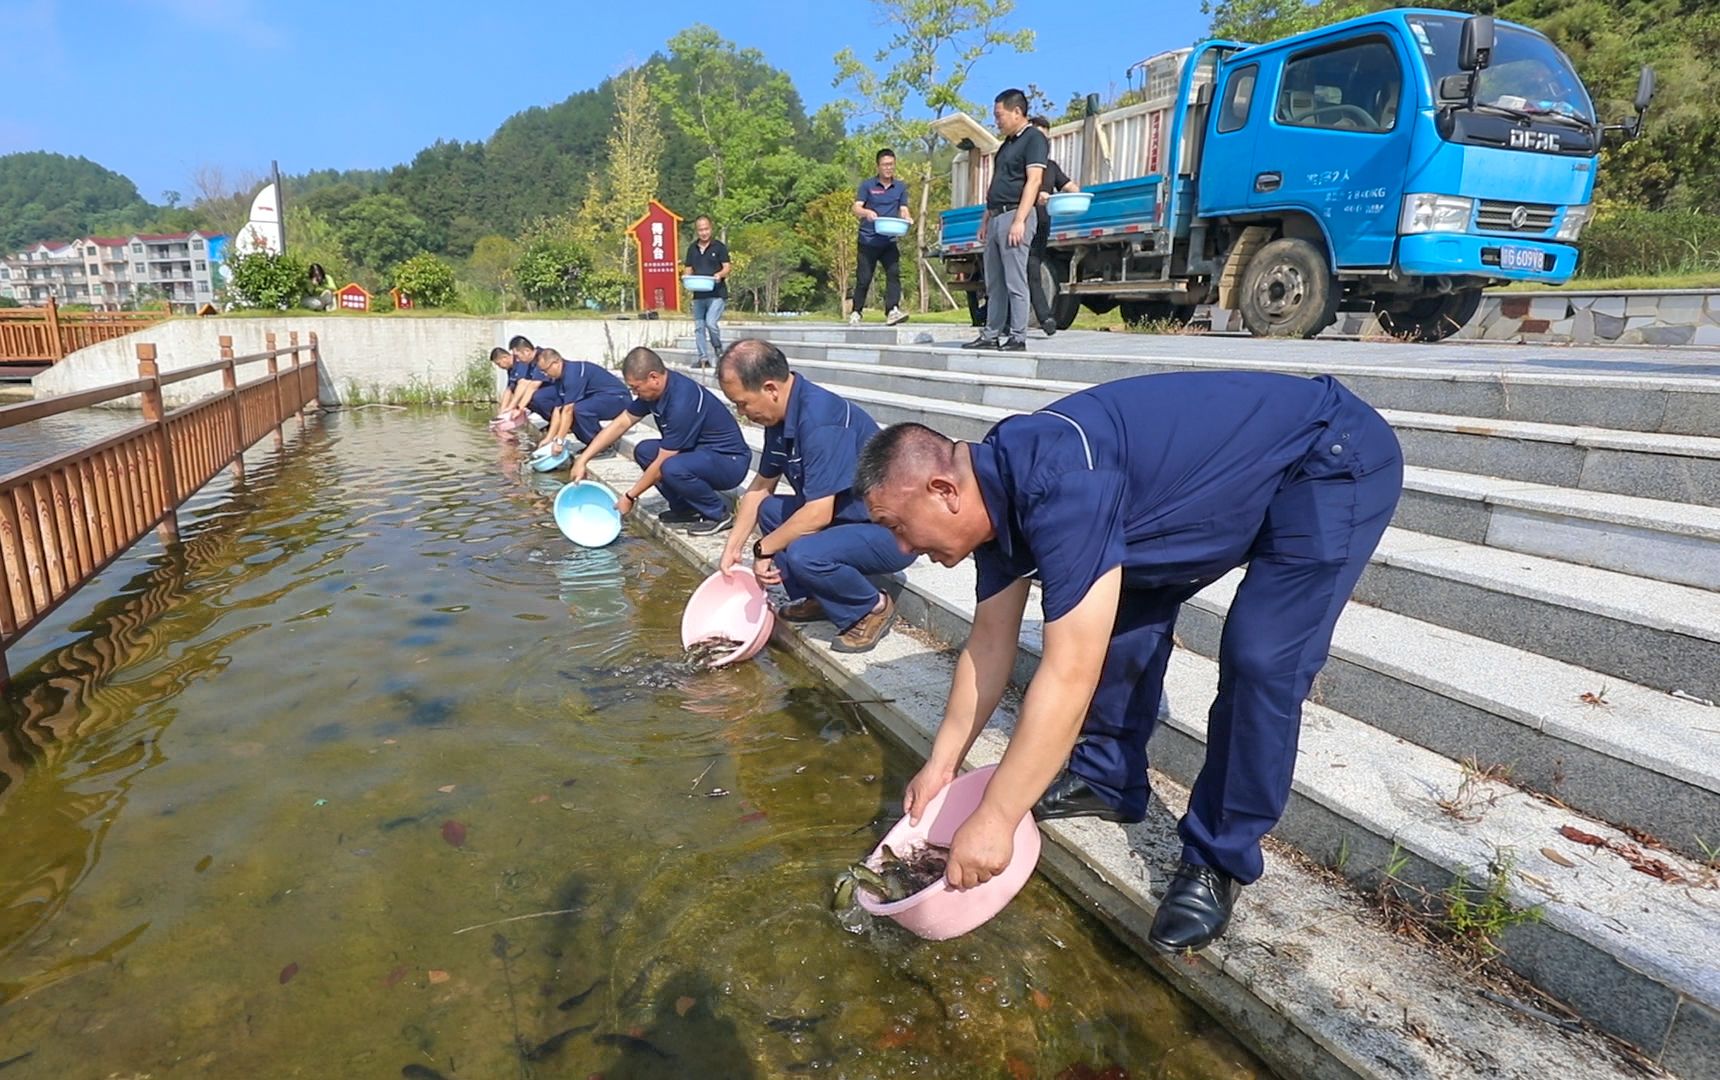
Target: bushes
x=262 y=280
x=426 y=279
x=1623 y=242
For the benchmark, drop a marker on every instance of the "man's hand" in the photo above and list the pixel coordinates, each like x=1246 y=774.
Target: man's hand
x=625 y=503
x=982 y=232
x=765 y=570
x=731 y=555
x=981 y=849
x=932 y=778
x=1044 y=197
x=1017 y=232
x=577 y=473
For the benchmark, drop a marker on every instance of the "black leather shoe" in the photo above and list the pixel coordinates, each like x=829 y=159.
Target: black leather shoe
x=1071 y=796
x=981 y=342
x=1011 y=345
x=1195 y=909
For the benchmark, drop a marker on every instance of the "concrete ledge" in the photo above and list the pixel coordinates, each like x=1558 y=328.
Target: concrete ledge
x=1306 y=977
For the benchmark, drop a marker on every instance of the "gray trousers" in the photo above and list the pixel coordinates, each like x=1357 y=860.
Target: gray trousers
x=1006 y=303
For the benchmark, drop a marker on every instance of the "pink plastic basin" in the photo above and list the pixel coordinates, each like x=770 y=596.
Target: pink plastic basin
x=507 y=422
x=940 y=911
x=734 y=607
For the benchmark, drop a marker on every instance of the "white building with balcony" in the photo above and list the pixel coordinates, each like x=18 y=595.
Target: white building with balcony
x=113 y=271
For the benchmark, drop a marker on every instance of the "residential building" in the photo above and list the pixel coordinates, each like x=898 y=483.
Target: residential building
x=115 y=271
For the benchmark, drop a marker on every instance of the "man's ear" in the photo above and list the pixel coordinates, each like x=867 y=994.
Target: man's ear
x=944 y=490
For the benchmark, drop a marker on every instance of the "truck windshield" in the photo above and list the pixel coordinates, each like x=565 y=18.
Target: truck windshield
x=1527 y=73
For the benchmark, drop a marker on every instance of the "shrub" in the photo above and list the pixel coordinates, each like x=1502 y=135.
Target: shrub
x=550 y=273
x=1623 y=242
x=426 y=279
x=262 y=280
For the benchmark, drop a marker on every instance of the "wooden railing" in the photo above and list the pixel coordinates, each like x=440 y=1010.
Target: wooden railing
x=48 y=335
x=63 y=520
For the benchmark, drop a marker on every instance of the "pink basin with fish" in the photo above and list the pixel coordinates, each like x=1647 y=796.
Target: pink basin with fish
x=940 y=911
x=733 y=606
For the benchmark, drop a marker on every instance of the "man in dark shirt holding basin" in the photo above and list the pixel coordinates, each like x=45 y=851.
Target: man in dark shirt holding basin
x=817 y=542
x=700 y=455
x=1009 y=223
x=882 y=196
x=708 y=257
x=1125 y=500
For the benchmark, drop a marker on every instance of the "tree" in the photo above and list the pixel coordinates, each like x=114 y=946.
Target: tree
x=551 y=270
x=828 y=230
x=933 y=46
x=426 y=279
x=492 y=263
x=381 y=231
x=629 y=177
x=223 y=200
x=1269 y=20
x=314 y=239
x=267 y=281
x=765 y=259
x=53 y=197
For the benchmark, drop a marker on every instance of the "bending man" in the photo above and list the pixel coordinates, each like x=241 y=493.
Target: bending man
x=817 y=542
x=1124 y=501
x=586 y=396
x=700 y=455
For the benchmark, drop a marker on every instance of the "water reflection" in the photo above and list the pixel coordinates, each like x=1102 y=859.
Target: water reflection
x=271 y=799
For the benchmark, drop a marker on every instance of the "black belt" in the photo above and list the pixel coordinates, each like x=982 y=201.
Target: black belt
x=1006 y=209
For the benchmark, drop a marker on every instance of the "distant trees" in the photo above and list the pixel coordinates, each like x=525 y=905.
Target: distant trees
x=54 y=197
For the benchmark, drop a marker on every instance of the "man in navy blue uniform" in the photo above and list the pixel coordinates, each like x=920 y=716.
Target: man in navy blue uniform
x=881 y=196
x=521 y=383
x=700 y=455
x=817 y=542
x=1123 y=501
x=587 y=394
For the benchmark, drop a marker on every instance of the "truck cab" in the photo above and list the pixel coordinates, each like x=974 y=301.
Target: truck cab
x=1396 y=163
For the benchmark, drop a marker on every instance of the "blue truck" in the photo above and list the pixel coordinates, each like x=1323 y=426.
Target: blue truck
x=1396 y=163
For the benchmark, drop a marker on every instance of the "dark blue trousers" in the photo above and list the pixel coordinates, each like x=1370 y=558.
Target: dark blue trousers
x=1312 y=547
x=692 y=478
x=589 y=415
x=544 y=401
x=833 y=564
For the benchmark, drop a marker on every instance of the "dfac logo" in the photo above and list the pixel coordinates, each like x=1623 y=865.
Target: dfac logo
x=1523 y=139
x=1519 y=217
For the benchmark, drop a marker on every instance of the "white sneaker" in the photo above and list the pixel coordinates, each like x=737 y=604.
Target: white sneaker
x=853 y=318
x=897 y=315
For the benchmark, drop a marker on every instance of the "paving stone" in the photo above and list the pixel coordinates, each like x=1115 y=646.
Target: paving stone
x=1668 y=335
x=1609 y=305
x=1642 y=303
x=1608 y=327
x=1514 y=307
x=1693 y=1047
x=1549 y=307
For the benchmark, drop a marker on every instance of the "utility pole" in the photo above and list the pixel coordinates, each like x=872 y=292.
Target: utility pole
x=280 y=202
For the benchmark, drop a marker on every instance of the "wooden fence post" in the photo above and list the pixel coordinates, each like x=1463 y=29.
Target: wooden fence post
x=56 y=347
x=230 y=383
x=275 y=380
x=153 y=412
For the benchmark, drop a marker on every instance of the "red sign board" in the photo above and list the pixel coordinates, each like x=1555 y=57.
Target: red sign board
x=658 y=235
x=352 y=297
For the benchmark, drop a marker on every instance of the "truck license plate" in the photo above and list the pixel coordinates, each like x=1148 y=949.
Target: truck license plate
x=1519 y=258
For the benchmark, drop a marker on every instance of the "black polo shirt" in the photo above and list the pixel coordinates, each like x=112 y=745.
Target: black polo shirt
x=708 y=262
x=1050 y=184
x=1025 y=149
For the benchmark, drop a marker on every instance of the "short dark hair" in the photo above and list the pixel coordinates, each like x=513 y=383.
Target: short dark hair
x=882 y=154
x=1013 y=100
x=499 y=353
x=1040 y=122
x=753 y=362
x=890 y=446
x=520 y=341
x=705 y=218
x=640 y=362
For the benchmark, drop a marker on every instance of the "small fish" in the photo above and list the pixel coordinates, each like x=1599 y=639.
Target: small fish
x=632 y=1043
x=394 y=823
x=25 y=1056
x=415 y=1071
x=843 y=897
x=636 y=989
x=793 y=1023
x=574 y=1001
x=873 y=882
x=555 y=1042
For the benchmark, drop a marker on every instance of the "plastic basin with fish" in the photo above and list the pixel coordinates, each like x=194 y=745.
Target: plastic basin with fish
x=940 y=911
x=733 y=606
x=891 y=226
x=506 y=422
x=698 y=282
x=544 y=461
x=585 y=513
x=1069 y=203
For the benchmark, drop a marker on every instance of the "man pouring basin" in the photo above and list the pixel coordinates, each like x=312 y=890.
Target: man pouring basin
x=818 y=542
x=587 y=395
x=700 y=455
x=1123 y=501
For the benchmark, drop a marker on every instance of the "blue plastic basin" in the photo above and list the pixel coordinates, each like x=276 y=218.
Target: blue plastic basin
x=1069 y=203
x=585 y=513
x=891 y=226
x=698 y=282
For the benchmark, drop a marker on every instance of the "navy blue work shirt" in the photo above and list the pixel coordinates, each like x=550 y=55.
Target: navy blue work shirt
x=581 y=380
x=520 y=369
x=885 y=200
x=1168 y=476
x=690 y=416
x=817 y=447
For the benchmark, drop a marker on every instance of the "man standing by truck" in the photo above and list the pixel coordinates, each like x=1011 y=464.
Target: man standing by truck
x=1009 y=224
x=881 y=196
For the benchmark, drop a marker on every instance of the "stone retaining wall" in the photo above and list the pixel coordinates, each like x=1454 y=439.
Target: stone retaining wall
x=1648 y=317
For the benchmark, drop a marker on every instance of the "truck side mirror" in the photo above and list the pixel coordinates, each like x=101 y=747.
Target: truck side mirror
x=1475 y=47
x=1644 y=88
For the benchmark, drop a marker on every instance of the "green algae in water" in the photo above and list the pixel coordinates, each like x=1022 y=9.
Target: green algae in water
x=167 y=858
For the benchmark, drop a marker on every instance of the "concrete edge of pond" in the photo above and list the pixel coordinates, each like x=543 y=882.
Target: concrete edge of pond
x=1308 y=978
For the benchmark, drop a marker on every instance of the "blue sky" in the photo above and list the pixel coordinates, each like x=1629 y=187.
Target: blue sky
x=156 y=88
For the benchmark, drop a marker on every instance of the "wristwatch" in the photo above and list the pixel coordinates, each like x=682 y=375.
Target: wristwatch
x=759 y=552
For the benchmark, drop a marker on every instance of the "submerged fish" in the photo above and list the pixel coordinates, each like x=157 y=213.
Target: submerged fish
x=632 y=1043
x=793 y=1023
x=577 y=998
x=555 y=1042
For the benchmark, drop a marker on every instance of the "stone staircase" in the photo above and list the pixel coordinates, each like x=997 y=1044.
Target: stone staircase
x=1531 y=655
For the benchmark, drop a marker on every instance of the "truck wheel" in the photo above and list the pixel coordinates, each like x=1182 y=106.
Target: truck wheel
x=1429 y=318
x=1139 y=312
x=1287 y=291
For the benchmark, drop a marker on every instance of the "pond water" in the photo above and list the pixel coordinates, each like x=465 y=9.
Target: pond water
x=267 y=800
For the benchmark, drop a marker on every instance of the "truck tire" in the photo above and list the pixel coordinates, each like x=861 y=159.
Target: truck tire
x=1064 y=306
x=1138 y=312
x=1429 y=318
x=1288 y=291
